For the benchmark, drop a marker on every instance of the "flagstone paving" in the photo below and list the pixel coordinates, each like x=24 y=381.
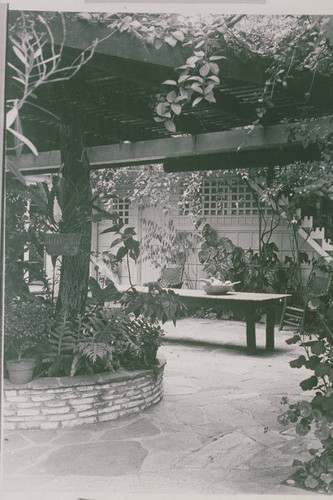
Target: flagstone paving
x=214 y=432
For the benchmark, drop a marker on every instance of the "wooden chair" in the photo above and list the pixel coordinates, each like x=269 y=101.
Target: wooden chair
x=292 y=317
x=171 y=277
x=317 y=285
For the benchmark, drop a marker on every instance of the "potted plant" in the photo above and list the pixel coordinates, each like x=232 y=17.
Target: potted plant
x=20 y=371
x=26 y=323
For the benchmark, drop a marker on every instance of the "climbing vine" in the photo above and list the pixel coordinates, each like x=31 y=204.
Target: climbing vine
x=287 y=44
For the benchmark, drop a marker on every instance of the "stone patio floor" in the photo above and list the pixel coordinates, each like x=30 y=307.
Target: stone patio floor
x=214 y=432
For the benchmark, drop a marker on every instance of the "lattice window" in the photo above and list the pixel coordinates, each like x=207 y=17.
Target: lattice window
x=215 y=198
x=225 y=199
x=242 y=201
x=121 y=206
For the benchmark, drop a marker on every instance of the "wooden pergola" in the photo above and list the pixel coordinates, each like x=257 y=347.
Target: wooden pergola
x=114 y=94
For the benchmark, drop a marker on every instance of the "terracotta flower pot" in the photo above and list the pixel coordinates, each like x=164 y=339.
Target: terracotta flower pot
x=20 y=371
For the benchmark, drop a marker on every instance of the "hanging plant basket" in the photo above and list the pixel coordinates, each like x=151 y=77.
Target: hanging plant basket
x=61 y=243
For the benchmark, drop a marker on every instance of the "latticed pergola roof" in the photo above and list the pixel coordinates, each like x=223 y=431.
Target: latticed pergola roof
x=115 y=92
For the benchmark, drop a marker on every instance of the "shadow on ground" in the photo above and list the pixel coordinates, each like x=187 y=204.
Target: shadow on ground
x=236 y=349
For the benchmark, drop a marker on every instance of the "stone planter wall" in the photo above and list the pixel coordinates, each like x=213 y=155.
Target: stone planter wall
x=54 y=402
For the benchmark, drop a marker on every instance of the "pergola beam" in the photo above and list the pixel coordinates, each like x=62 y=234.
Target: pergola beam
x=159 y=150
x=126 y=47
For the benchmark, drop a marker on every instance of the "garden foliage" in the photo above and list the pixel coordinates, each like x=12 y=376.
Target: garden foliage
x=314 y=415
x=105 y=341
x=257 y=271
x=157 y=305
x=102 y=338
x=27 y=322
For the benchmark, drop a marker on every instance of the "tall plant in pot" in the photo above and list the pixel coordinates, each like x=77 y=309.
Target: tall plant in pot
x=164 y=246
x=27 y=323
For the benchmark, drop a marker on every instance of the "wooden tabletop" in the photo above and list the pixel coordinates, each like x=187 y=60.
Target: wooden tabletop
x=230 y=296
x=234 y=296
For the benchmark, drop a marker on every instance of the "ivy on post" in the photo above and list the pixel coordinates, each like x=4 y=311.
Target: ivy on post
x=76 y=206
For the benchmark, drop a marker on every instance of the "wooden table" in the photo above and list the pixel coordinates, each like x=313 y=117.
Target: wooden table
x=243 y=302
x=248 y=304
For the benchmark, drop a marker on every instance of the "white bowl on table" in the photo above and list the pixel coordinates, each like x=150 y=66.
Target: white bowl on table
x=219 y=289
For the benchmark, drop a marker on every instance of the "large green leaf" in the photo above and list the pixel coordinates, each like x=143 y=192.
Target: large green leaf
x=24 y=140
x=322 y=370
x=318 y=347
x=312 y=362
x=116 y=242
x=116 y=228
x=299 y=362
x=111 y=292
x=121 y=253
x=95 y=289
x=327 y=403
x=129 y=231
x=309 y=383
x=293 y=340
x=103 y=215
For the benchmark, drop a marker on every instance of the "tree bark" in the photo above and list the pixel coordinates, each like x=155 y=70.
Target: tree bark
x=76 y=205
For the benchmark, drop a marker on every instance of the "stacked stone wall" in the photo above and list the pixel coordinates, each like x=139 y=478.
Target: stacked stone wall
x=54 y=402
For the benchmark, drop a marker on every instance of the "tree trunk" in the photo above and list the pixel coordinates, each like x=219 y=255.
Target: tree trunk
x=76 y=205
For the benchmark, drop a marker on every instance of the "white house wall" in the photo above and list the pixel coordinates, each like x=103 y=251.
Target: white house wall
x=242 y=230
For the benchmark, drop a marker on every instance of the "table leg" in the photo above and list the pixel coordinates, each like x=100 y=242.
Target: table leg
x=270 y=323
x=251 y=330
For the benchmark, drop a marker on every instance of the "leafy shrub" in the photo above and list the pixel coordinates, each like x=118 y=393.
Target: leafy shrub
x=102 y=342
x=209 y=313
x=27 y=322
x=142 y=343
x=16 y=239
x=265 y=271
x=156 y=305
x=101 y=295
x=130 y=247
x=316 y=414
x=220 y=257
x=257 y=271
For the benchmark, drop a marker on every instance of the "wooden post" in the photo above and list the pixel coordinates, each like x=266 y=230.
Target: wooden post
x=283 y=313
x=251 y=329
x=3 y=40
x=270 y=324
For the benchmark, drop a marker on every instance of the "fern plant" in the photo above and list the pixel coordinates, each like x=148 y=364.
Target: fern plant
x=101 y=342
x=143 y=341
x=95 y=345
x=60 y=345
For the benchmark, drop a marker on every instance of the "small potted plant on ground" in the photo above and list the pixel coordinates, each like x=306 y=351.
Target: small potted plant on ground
x=20 y=370
x=26 y=322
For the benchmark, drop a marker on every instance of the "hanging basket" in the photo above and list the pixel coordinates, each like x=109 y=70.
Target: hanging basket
x=61 y=243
